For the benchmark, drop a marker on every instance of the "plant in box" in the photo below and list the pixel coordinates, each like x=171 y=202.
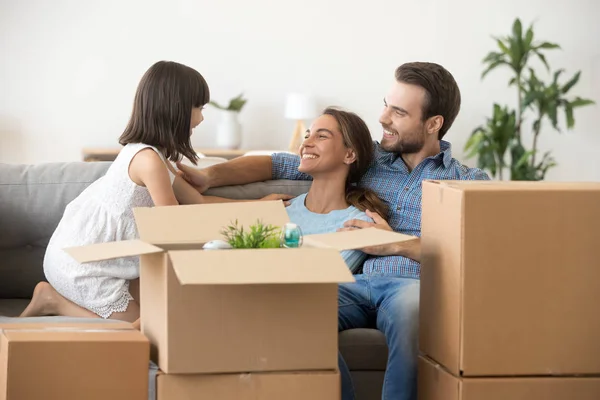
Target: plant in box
x=259 y=236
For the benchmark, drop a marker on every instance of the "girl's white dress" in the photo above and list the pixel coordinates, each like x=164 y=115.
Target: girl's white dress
x=103 y=212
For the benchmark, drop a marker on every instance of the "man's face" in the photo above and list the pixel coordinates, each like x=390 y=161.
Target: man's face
x=401 y=119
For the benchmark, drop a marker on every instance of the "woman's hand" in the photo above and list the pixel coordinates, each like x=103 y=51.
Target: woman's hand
x=198 y=178
x=378 y=222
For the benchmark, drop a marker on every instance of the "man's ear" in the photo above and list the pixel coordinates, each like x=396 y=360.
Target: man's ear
x=434 y=124
x=350 y=157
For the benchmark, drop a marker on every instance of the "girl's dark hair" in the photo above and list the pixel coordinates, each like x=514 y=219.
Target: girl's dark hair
x=162 y=109
x=357 y=137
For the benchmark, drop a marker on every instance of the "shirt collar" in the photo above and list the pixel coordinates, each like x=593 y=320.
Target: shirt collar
x=445 y=154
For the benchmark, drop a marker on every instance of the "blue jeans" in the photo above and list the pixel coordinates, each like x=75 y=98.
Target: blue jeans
x=390 y=304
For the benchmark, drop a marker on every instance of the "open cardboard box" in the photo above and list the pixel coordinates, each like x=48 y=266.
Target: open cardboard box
x=236 y=310
x=73 y=361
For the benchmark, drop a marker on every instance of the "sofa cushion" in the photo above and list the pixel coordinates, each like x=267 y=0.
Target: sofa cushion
x=364 y=349
x=32 y=200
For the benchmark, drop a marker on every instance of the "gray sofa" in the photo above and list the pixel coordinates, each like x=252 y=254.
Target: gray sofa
x=32 y=200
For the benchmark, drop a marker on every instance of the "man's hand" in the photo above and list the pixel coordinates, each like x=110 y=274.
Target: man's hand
x=379 y=223
x=410 y=249
x=276 y=196
x=198 y=178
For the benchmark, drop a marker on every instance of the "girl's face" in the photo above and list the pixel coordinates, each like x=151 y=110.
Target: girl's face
x=323 y=149
x=197 y=118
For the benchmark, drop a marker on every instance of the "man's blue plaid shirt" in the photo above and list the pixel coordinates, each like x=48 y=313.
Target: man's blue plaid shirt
x=390 y=179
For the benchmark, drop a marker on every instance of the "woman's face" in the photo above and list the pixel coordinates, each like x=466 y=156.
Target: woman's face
x=323 y=149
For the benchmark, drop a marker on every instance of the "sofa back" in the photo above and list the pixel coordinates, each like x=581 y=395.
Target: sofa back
x=32 y=202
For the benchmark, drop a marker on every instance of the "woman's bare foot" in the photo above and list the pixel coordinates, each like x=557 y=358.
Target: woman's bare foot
x=43 y=301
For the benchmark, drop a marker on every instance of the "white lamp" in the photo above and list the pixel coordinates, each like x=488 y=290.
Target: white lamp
x=299 y=107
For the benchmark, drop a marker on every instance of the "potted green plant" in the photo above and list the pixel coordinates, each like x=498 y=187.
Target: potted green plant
x=258 y=236
x=498 y=144
x=229 y=131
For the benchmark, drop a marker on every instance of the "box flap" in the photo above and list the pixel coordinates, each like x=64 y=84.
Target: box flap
x=110 y=250
x=66 y=335
x=478 y=185
x=200 y=223
x=357 y=239
x=259 y=266
x=32 y=324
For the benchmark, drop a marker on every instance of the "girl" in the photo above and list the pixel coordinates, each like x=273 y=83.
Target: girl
x=336 y=152
x=167 y=106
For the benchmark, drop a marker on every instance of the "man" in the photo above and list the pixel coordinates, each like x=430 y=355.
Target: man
x=419 y=109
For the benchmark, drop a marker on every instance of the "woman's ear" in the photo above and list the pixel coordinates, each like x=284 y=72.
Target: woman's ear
x=350 y=156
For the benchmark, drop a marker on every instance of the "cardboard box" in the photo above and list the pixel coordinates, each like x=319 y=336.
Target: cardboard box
x=236 y=310
x=317 y=385
x=437 y=383
x=510 y=277
x=92 y=362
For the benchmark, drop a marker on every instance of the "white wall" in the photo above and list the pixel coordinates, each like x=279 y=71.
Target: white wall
x=69 y=68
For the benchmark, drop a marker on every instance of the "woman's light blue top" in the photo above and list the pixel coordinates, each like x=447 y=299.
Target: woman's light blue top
x=314 y=223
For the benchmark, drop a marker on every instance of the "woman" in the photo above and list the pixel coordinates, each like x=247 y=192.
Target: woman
x=336 y=152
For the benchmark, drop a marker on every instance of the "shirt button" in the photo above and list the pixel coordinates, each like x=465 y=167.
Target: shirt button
x=406 y=188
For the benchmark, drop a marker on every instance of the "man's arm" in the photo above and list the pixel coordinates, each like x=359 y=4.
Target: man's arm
x=409 y=249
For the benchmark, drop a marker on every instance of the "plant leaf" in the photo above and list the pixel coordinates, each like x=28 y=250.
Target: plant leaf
x=569 y=115
x=492 y=66
x=579 y=102
x=543 y=60
x=572 y=82
x=548 y=45
x=517 y=28
x=529 y=36
x=502 y=46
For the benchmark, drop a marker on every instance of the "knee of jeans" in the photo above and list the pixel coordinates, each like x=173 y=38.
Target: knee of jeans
x=405 y=304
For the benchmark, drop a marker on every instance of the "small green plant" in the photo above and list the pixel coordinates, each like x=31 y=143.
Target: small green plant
x=259 y=236
x=236 y=104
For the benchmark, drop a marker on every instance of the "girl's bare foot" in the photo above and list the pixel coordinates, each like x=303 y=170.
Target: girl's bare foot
x=43 y=301
x=47 y=301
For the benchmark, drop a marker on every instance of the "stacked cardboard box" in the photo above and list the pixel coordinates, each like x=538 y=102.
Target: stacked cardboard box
x=66 y=361
x=510 y=287
x=238 y=324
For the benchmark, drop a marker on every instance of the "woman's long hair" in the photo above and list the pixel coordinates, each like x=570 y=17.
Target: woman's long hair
x=358 y=138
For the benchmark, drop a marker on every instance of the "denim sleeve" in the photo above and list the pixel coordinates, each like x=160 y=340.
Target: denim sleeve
x=285 y=166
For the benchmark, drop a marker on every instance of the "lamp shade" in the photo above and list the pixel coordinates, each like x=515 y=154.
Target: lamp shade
x=300 y=106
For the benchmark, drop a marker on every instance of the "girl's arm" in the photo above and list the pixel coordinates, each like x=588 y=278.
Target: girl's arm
x=148 y=169
x=186 y=194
